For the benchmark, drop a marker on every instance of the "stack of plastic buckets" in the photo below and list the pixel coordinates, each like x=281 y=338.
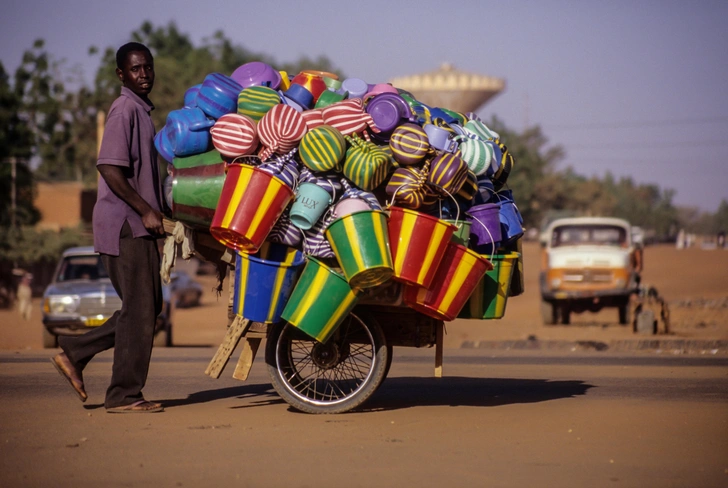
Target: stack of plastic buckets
x=250 y=204
x=264 y=282
x=490 y=296
x=458 y=275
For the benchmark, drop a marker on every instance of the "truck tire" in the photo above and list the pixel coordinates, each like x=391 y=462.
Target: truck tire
x=549 y=313
x=565 y=314
x=624 y=313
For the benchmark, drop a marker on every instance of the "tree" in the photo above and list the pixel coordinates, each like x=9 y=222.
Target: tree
x=16 y=142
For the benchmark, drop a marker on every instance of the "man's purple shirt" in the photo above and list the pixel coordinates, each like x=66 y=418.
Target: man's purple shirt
x=128 y=142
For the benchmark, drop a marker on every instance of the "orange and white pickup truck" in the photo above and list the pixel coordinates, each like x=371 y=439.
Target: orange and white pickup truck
x=588 y=263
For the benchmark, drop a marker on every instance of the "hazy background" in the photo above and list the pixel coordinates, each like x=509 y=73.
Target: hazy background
x=637 y=88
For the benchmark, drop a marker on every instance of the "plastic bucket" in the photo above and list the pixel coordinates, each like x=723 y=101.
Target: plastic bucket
x=510 y=218
x=457 y=276
x=264 y=282
x=250 y=204
x=489 y=298
x=310 y=203
x=418 y=243
x=462 y=232
x=320 y=301
x=197 y=182
x=347 y=206
x=485 y=229
x=360 y=242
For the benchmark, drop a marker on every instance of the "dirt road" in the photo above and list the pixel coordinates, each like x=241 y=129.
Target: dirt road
x=500 y=421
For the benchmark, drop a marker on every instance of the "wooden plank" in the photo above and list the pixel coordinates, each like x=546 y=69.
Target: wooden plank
x=439 y=340
x=222 y=356
x=247 y=356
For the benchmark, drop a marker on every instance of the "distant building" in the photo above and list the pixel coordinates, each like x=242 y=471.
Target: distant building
x=63 y=204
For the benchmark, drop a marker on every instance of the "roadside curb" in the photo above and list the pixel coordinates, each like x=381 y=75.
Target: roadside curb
x=673 y=346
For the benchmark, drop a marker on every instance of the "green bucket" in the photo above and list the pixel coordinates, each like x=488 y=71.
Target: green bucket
x=320 y=301
x=462 y=233
x=360 y=242
x=490 y=297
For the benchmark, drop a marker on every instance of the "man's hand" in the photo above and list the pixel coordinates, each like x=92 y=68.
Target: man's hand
x=152 y=221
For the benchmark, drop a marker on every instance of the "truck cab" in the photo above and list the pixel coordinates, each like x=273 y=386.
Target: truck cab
x=587 y=263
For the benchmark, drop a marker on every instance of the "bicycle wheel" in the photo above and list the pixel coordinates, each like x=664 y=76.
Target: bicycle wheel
x=327 y=378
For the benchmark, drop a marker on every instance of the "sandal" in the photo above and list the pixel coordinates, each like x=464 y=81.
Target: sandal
x=142 y=406
x=71 y=374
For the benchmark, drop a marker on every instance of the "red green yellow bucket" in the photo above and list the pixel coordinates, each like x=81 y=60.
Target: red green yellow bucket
x=489 y=298
x=455 y=279
x=360 y=242
x=265 y=281
x=250 y=204
x=418 y=243
x=320 y=301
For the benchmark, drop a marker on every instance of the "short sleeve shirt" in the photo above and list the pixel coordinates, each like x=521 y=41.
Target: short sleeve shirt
x=128 y=142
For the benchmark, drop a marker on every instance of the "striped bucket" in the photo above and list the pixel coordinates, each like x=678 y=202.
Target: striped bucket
x=489 y=298
x=418 y=243
x=320 y=301
x=264 y=282
x=249 y=206
x=197 y=182
x=457 y=276
x=360 y=242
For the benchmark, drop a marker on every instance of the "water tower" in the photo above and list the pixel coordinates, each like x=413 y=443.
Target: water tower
x=450 y=88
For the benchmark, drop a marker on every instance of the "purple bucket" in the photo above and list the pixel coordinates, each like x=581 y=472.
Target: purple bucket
x=485 y=227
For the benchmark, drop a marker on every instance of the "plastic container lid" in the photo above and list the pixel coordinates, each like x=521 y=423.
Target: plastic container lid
x=357 y=88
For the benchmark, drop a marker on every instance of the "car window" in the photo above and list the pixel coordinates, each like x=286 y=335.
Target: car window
x=81 y=268
x=575 y=235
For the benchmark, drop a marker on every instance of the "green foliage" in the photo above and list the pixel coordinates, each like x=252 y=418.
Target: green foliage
x=27 y=245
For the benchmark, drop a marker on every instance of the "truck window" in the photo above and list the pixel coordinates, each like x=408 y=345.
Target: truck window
x=584 y=235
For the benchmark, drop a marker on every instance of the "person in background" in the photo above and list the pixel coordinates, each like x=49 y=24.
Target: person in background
x=127 y=221
x=25 y=296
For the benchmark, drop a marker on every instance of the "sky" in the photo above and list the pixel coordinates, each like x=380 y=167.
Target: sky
x=638 y=88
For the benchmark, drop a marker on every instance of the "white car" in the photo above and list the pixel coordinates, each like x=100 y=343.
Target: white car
x=81 y=297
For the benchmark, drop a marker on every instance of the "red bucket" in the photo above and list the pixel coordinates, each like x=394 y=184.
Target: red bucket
x=455 y=280
x=418 y=242
x=250 y=204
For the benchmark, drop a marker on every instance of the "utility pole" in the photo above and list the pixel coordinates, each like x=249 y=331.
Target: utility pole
x=13 y=191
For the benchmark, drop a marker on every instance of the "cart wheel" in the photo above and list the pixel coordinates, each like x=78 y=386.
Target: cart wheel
x=327 y=378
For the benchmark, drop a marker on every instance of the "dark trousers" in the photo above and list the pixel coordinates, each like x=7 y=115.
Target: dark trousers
x=130 y=331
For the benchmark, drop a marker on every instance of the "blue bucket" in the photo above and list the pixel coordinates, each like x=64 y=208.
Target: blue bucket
x=311 y=202
x=264 y=282
x=510 y=218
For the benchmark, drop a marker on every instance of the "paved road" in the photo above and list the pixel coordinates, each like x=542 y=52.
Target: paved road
x=497 y=418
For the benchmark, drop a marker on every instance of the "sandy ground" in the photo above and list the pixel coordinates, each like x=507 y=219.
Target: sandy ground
x=693 y=281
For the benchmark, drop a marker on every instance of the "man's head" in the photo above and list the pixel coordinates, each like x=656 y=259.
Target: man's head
x=135 y=68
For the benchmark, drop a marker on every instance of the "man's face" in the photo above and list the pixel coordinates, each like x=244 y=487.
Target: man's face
x=138 y=73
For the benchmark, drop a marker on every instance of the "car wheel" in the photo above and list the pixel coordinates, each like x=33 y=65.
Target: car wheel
x=163 y=338
x=50 y=340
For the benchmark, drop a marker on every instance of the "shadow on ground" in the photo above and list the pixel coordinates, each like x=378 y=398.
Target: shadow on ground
x=407 y=392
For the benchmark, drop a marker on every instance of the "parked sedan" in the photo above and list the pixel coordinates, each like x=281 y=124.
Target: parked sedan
x=81 y=297
x=186 y=292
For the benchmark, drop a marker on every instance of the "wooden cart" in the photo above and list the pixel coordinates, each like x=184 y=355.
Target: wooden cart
x=331 y=377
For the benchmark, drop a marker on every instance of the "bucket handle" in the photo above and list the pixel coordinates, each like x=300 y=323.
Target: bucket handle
x=486 y=229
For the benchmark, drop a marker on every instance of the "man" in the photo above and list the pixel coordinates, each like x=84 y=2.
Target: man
x=127 y=220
